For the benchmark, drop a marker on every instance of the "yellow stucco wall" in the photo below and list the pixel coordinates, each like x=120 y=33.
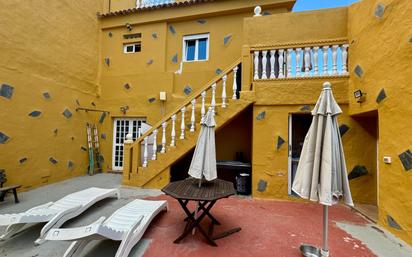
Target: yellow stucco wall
x=382 y=48
x=46 y=46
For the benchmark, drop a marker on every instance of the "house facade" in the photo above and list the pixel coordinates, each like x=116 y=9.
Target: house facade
x=151 y=70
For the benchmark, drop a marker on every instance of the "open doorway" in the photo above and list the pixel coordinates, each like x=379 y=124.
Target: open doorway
x=298 y=128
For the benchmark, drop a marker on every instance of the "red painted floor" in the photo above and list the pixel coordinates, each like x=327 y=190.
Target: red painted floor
x=269 y=228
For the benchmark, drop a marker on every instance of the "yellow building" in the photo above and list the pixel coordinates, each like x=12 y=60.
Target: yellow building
x=147 y=67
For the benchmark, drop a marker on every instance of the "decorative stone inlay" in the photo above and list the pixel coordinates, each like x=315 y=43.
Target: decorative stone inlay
x=53 y=161
x=187 y=90
x=262 y=185
x=78 y=102
x=379 y=10
x=406 y=159
x=172 y=29
x=357 y=171
x=392 y=223
x=358 y=71
x=201 y=21
x=70 y=165
x=23 y=160
x=266 y=13
x=280 y=142
x=174 y=58
x=381 y=96
x=67 y=113
x=55 y=131
x=107 y=61
x=227 y=39
x=152 y=99
x=149 y=62
x=3 y=138
x=102 y=117
x=83 y=148
x=110 y=34
x=6 y=91
x=46 y=95
x=127 y=86
x=218 y=71
x=305 y=108
x=35 y=114
x=261 y=115
x=103 y=136
x=343 y=129
x=93 y=103
x=154 y=35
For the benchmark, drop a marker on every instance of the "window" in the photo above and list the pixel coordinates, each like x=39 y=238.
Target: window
x=132 y=48
x=196 y=48
x=120 y=129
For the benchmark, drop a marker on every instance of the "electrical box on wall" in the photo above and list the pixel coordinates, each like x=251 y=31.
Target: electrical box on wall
x=162 y=96
x=387 y=159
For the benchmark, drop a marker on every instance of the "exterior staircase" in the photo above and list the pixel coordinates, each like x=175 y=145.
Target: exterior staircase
x=152 y=154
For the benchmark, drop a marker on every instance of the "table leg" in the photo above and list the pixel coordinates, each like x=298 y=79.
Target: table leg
x=16 y=199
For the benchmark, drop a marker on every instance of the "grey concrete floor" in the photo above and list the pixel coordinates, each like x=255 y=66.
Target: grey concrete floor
x=22 y=245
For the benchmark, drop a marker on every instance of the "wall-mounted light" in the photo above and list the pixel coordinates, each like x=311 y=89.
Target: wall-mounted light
x=129 y=26
x=124 y=109
x=359 y=95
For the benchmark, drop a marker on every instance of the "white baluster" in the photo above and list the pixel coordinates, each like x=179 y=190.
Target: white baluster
x=264 y=64
x=192 y=118
x=289 y=62
x=182 y=124
x=224 y=78
x=298 y=59
x=202 y=110
x=307 y=61
x=164 y=125
x=234 y=87
x=335 y=59
x=315 y=60
x=325 y=60
x=154 y=156
x=345 y=59
x=256 y=65
x=145 y=154
x=272 y=64
x=139 y=132
x=280 y=60
x=173 y=134
x=213 y=103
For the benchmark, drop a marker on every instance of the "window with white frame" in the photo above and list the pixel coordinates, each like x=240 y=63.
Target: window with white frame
x=196 y=48
x=132 y=47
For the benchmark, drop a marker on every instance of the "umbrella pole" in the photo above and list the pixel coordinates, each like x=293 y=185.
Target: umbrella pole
x=197 y=207
x=325 y=250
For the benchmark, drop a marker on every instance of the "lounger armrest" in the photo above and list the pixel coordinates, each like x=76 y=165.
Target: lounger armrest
x=57 y=218
x=69 y=234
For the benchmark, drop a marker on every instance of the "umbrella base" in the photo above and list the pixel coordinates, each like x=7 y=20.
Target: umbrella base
x=312 y=251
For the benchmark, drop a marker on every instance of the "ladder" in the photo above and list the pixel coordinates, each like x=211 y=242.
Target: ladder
x=95 y=159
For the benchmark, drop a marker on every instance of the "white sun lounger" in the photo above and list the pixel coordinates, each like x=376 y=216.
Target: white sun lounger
x=127 y=225
x=54 y=213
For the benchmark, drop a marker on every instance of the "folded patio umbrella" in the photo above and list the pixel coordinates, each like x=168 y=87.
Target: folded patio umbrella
x=203 y=163
x=321 y=173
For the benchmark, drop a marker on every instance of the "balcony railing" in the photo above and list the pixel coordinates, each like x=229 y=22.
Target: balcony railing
x=300 y=61
x=152 y=3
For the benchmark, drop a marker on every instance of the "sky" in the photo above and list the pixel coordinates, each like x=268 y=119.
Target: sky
x=305 y=5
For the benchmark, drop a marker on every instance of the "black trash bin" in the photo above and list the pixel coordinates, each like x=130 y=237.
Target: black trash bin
x=243 y=184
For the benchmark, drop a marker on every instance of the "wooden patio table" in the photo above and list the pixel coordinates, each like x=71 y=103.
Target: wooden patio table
x=206 y=195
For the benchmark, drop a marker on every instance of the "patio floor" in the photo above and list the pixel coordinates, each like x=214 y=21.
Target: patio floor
x=269 y=227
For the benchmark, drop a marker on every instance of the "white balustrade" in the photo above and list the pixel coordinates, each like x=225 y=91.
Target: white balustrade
x=203 y=110
x=301 y=62
x=164 y=126
x=182 y=124
x=154 y=156
x=213 y=103
x=224 y=78
x=173 y=133
x=234 y=87
x=145 y=152
x=192 y=117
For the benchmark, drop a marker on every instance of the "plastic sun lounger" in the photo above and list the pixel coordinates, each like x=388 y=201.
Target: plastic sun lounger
x=127 y=225
x=54 y=213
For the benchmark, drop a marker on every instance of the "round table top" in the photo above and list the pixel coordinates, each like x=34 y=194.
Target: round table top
x=189 y=189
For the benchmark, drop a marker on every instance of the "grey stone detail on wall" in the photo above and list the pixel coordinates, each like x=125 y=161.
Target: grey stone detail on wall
x=23 y=160
x=127 y=86
x=102 y=117
x=93 y=103
x=358 y=71
x=55 y=131
x=172 y=29
x=381 y=96
x=218 y=71
x=78 y=102
x=46 y=95
x=67 y=113
x=3 y=138
x=357 y=171
x=187 y=90
x=154 y=35
x=410 y=40
x=83 y=148
x=201 y=21
x=35 y=114
x=406 y=159
x=262 y=185
x=103 y=136
x=110 y=34
x=343 y=129
x=174 y=58
x=261 y=115
x=392 y=223
x=227 y=39
x=72 y=138
x=107 y=61
x=280 y=142
x=6 y=91
x=305 y=108
x=379 y=10
x=70 y=165
x=53 y=161
x=150 y=61
x=152 y=99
